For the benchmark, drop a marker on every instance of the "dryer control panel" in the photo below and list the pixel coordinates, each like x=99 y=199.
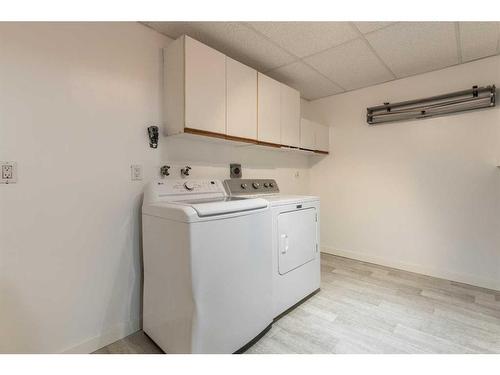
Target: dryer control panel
x=251 y=186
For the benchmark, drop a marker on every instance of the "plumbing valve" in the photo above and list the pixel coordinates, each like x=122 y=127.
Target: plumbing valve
x=164 y=170
x=185 y=170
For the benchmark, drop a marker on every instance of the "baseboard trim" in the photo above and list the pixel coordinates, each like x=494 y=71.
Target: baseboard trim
x=111 y=335
x=441 y=274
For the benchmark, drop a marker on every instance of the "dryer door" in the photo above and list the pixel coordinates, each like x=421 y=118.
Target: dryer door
x=296 y=239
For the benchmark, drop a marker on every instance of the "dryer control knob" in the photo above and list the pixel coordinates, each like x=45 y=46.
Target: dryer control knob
x=271 y=184
x=255 y=185
x=244 y=186
x=189 y=185
x=266 y=185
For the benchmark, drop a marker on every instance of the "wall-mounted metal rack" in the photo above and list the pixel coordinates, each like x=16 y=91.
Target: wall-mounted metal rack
x=440 y=105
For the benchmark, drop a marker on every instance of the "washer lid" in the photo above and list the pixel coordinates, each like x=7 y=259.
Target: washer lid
x=208 y=209
x=210 y=200
x=226 y=205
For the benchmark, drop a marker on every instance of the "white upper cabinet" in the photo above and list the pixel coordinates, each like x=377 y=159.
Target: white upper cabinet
x=268 y=112
x=290 y=116
x=213 y=95
x=322 y=137
x=307 y=134
x=205 y=79
x=314 y=136
x=241 y=100
x=195 y=87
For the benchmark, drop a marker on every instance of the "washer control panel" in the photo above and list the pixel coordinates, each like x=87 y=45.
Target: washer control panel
x=177 y=187
x=250 y=186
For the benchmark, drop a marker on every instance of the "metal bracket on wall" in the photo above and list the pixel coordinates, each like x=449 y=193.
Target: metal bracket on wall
x=440 y=105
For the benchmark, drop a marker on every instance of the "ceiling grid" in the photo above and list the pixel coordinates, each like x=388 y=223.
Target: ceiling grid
x=327 y=58
x=373 y=50
x=296 y=57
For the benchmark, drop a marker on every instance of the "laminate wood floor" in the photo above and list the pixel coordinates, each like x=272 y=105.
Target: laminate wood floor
x=366 y=308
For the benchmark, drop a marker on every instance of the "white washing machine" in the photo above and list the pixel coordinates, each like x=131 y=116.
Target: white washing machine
x=295 y=240
x=207 y=267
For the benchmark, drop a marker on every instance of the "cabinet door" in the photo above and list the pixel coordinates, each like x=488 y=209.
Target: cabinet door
x=268 y=109
x=205 y=87
x=290 y=116
x=322 y=137
x=297 y=239
x=241 y=100
x=307 y=134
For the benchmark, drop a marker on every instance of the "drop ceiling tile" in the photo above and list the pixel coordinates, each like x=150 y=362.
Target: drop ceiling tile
x=479 y=39
x=367 y=27
x=416 y=47
x=351 y=65
x=231 y=38
x=305 y=38
x=310 y=83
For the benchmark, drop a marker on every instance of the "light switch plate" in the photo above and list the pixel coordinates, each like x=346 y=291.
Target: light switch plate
x=136 y=172
x=8 y=172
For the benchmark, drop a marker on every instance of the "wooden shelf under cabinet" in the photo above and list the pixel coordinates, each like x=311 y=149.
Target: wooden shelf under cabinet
x=210 y=134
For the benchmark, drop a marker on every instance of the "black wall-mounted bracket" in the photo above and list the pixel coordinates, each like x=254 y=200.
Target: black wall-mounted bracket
x=153 y=136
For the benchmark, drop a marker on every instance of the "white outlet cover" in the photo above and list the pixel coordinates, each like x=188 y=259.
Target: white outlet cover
x=13 y=172
x=136 y=172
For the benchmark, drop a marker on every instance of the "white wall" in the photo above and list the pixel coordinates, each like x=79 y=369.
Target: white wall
x=421 y=195
x=75 y=101
x=212 y=159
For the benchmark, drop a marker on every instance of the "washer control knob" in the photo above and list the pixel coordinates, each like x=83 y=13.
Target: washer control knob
x=244 y=186
x=255 y=185
x=271 y=184
x=266 y=185
x=189 y=185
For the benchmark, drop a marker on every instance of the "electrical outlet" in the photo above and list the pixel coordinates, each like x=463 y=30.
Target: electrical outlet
x=136 y=171
x=8 y=172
